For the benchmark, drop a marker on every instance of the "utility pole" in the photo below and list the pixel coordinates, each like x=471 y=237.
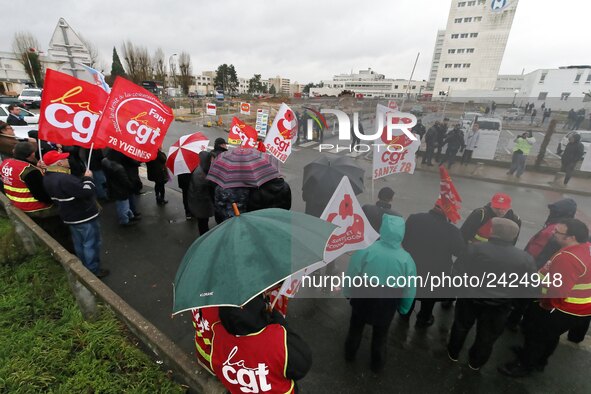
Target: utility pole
x=545 y=143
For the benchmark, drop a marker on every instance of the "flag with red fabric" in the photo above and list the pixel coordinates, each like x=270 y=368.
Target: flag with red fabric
x=242 y=134
x=449 y=198
x=134 y=121
x=70 y=110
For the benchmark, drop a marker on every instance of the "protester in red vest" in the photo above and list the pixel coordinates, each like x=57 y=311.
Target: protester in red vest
x=203 y=320
x=253 y=351
x=566 y=301
x=478 y=225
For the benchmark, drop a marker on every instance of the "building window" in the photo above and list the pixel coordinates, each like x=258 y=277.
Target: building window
x=444 y=79
x=448 y=65
x=413 y=87
x=466 y=65
x=588 y=78
x=473 y=35
x=458 y=20
x=467 y=20
x=463 y=79
x=453 y=36
x=542 y=95
x=451 y=51
x=578 y=77
x=481 y=2
x=457 y=65
x=454 y=80
x=564 y=96
x=471 y=3
x=543 y=77
x=461 y=50
x=464 y=35
x=462 y=4
x=395 y=86
x=470 y=50
x=477 y=19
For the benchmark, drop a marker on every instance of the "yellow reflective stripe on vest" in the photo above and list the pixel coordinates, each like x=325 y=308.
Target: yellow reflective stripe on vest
x=479 y=238
x=573 y=300
x=19 y=199
x=202 y=352
x=582 y=286
x=16 y=189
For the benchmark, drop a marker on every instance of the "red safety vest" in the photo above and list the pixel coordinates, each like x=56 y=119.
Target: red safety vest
x=203 y=320
x=484 y=232
x=16 y=189
x=254 y=363
x=569 y=275
x=537 y=243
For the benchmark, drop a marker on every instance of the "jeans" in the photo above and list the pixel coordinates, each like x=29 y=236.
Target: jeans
x=490 y=323
x=124 y=213
x=133 y=203
x=99 y=182
x=87 y=243
x=518 y=163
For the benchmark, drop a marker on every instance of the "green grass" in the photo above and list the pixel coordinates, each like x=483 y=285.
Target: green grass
x=46 y=346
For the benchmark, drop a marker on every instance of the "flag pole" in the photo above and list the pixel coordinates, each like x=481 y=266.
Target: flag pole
x=89 y=156
x=39 y=145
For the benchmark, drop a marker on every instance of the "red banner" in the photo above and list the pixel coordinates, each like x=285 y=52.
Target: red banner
x=134 y=121
x=449 y=198
x=242 y=134
x=70 y=110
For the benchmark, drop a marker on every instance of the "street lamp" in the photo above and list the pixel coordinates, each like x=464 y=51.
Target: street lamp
x=514 y=96
x=170 y=66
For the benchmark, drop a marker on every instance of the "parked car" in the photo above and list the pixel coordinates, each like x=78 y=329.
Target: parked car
x=513 y=114
x=468 y=117
x=489 y=123
x=31 y=97
x=12 y=100
x=30 y=117
x=585 y=139
x=417 y=110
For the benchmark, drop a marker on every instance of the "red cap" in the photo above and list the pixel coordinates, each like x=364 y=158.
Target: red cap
x=54 y=156
x=501 y=201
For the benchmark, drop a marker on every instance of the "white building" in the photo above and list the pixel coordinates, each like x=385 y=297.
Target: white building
x=470 y=54
x=13 y=77
x=369 y=84
x=281 y=85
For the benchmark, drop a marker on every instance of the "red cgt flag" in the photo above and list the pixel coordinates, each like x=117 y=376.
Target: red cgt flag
x=449 y=198
x=134 y=121
x=242 y=134
x=70 y=110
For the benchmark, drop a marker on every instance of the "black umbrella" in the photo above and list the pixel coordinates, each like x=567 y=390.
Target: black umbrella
x=323 y=175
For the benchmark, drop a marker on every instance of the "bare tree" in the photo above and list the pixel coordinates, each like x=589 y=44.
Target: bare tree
x=185 y=71
x=159 y=65
x=26 y=46
x=92 y=52
x=131 y=61
x=144 y=64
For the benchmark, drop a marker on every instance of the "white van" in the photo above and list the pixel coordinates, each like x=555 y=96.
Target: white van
x=31 y=97
x=490 y=132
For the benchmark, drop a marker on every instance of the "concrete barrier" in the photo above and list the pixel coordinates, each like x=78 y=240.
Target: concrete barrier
x=88 y=289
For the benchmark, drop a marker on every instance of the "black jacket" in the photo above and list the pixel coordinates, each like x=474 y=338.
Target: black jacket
x=157 y=172
x=574 y=151
x=375 y=212
x=455 y=140
x=131 y=168
x=431 y=136
x=75 y=197
x=118 y=182
x=200 y=190
x=441 y=134
x=494 y=259
x=275 y=193
x=432 y=240
x=481 y=216
x=15 y=121
x=420 y=130
x=252 y=318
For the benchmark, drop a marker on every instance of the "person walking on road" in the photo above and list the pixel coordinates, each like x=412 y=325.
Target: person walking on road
x=78 y=208
x=454 y=142
x=573 y=152
x=488 y=308
x=200 y=193
x=441 y=135
x=158 y=174
x=546 y=114
x=565 y=302
x=376 y=306
x=120 y=190
x=471 y=139
x=253 y=350
x=430 y=144
x=431 y=240
x=521 y=149
x=375 y=212
x=534 y=112
x=478 y=225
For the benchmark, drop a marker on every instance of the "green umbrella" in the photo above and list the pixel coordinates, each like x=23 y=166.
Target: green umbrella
x=247 y=255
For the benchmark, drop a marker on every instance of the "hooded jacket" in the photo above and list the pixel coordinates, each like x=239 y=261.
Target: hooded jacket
x=275 y=193
x=574 y=151
x=252 y=318
x=542 y=245
x=384 y=259
x=200 y=189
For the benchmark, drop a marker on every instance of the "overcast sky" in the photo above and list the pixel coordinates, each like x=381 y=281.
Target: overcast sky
x=304 y=40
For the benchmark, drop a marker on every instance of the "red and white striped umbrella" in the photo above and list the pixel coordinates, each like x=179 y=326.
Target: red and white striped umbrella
x=183 y=155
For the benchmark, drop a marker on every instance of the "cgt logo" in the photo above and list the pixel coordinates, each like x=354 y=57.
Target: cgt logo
x=250 y=380
x=145 y=126
x=287 y=129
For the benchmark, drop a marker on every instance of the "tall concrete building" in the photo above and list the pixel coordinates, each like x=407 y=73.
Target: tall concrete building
x=470 y=54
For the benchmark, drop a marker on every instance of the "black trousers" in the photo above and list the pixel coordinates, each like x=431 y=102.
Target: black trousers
x=203 y=225
x=467 y=156
x=568 y=169
x=159 y=190
x=428 y=156
x=439 y=150
x=577 y=334
x=450 y=157
x=542 y=330
x=490 y=322
x=379 y=336
x=185 y=191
